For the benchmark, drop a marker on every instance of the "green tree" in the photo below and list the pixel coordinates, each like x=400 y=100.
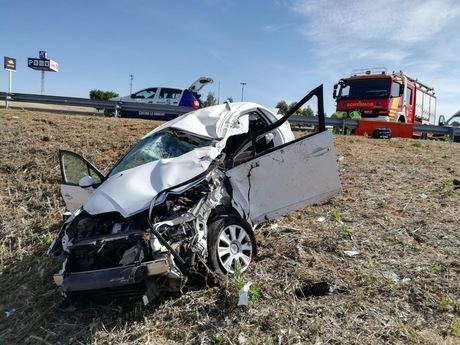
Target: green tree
x=210 y=100
x=282 y=106
x=102 y=95
x=298 y=111
x=307 y=111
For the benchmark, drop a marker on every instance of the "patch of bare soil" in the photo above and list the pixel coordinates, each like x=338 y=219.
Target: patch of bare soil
x=389 y=246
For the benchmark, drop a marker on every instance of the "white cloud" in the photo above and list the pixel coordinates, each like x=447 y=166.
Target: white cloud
x=420 y=37
x=392 y=20
x=273 y=28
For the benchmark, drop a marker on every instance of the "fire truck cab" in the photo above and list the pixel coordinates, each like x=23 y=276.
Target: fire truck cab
x=373 y=94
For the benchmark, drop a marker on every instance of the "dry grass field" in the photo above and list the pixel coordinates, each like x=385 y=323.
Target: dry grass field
x=398 y=210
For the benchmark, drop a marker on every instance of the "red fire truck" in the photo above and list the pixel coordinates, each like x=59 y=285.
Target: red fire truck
x=375 y=95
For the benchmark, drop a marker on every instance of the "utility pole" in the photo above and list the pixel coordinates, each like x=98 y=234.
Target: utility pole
x=131 y=77
x=218 y=93
x=242 y=90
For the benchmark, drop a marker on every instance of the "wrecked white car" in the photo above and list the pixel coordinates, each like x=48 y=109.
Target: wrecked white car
x=189 y=193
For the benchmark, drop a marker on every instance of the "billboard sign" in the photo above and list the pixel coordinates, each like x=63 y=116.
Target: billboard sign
x=45 y=64
x=9 y=63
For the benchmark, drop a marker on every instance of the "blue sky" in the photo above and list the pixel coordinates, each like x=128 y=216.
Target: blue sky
x=280 y=48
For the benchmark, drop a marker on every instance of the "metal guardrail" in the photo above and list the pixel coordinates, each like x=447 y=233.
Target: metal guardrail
x=118 y=106
x=348 y=123
x=330 y=121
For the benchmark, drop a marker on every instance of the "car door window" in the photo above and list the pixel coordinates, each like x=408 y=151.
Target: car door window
x=147 y=93
x=261 y=145
x=74 y=167
x=408 y=95
x=173 y=94
x=256 y=123
x=454 y=121
x=396 y=89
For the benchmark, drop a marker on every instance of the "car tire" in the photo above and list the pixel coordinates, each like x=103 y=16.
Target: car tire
x=230 y=241
x=108 y=113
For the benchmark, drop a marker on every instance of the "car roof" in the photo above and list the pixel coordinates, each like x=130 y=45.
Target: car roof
x=161 y=87
x=213 y=121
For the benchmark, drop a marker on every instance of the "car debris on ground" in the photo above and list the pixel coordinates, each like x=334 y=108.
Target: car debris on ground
x=315 y=289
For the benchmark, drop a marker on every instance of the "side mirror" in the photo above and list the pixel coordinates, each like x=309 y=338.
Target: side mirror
x=86 y=181
x=442 y=120
x=334 y=93
x=132 y=95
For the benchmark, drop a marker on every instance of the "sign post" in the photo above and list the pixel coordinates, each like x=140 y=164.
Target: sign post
x=42 y=83
x=43 y=64
x=9 y=64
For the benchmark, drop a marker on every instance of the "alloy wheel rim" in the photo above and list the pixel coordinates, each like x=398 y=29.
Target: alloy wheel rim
x=234 y=248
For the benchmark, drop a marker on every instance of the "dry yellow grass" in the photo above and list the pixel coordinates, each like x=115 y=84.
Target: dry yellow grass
x=398 y=209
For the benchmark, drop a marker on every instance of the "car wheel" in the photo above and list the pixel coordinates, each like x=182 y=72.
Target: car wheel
x=108 y=112
x=231 y=242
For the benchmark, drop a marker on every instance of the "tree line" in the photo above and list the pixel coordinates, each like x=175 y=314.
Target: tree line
x=102 y=95
x=284 y=108
x=281 y=105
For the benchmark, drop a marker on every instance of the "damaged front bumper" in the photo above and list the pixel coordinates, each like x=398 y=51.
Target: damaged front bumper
x=112 y=277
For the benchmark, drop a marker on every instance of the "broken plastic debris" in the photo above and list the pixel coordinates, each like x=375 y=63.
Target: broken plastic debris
x=423 y=196
x=351 y=253
x=395 y=278
x=391 y=275
x=340 y=158
x=321 y=219
x=244 y=299
x=274 y=226
x=316 y=289
x=10 y=312
x=456 y=183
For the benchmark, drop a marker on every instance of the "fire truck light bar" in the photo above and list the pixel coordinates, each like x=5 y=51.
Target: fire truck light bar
x=369 y=71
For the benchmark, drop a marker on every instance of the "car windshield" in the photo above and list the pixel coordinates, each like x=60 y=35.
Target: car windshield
x=365 y=88
x=168 y=143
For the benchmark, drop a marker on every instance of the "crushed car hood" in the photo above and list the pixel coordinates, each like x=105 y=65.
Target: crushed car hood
x=131 y=191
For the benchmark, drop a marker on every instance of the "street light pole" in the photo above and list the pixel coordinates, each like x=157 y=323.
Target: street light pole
x=242 y=90
x=218 y=93
x=131 y=77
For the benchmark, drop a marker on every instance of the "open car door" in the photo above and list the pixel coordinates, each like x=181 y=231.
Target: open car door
x=73 y=168
x=288 y=177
